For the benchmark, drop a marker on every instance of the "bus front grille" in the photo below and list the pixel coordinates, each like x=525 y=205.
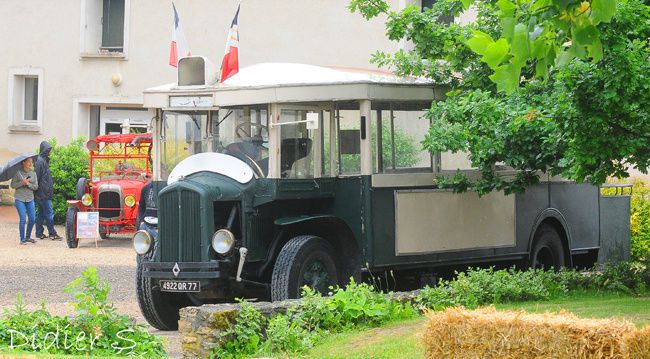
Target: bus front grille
x=180 y=226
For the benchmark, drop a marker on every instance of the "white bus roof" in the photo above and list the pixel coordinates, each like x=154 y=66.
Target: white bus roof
x=292 y=83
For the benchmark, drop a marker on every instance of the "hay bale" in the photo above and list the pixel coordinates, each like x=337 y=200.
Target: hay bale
x=487 y=333
x=638 y=343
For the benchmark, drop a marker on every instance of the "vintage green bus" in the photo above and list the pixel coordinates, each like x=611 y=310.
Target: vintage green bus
x=289 y=175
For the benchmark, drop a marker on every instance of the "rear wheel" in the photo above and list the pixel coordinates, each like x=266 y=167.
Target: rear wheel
x=71 y=227
x=547 y=249
x=103 y=235
x=304 y=260
x=160 y=309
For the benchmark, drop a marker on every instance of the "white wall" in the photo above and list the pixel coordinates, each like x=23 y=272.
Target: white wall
x=46 y=34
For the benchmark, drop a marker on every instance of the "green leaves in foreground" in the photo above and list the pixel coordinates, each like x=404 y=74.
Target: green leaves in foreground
x=544 y=33
x=540 y=34
x=96 y=330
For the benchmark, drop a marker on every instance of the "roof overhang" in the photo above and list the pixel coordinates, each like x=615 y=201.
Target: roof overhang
x=293 y=83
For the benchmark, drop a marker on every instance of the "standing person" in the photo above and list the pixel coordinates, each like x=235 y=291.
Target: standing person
x=147 y=206
x=25 y=182
x=44 y=194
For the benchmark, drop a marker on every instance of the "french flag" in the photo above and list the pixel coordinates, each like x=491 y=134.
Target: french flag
x=230 y=64
x=178 y=48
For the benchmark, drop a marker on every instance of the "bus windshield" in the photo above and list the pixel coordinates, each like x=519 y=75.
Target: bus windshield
x=240 y=132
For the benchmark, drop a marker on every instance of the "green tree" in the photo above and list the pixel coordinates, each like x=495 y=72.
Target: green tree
x=581 y=112
x=67 y=164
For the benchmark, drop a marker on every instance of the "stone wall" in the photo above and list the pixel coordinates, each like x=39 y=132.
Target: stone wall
x=201 y=327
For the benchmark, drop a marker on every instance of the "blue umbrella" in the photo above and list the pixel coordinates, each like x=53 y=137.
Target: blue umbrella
x=12 y=166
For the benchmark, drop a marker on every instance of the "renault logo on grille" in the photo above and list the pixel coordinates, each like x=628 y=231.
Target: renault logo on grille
x=176 y=270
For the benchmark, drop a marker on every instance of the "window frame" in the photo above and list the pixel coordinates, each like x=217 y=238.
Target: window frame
x=317 y=150
x=106 y=26
x=16 y=112
x=95 y=50
x=378 y=166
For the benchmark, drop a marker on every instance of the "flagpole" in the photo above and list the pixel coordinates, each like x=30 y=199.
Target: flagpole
x=230 y=62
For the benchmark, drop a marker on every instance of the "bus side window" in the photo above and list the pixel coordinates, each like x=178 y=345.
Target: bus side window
x=296 y=153
x=349 y=145
x=397 y=140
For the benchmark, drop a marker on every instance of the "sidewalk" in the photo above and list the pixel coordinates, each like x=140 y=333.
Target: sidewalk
x=8 y=214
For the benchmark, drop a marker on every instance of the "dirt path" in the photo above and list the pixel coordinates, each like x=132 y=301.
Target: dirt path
x=40 y=272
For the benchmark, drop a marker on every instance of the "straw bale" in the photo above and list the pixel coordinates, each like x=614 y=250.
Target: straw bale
x=487 y=333
x=638 y=343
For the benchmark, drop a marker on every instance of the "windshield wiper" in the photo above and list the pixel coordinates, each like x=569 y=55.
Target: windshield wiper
x=224 y=117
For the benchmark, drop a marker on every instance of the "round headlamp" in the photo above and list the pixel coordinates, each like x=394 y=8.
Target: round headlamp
x=87 y=199
x=142 y=242
x=223 y=241
x=129 y=200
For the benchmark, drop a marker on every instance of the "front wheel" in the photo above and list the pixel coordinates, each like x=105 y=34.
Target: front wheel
x=303 y=261
x=547 y=249
x=71 y=228
x=160 y=309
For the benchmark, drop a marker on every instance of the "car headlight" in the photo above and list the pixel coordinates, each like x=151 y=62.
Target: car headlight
x=129 y=200
x=87 y=199
x=142 y=242
x=223 y=241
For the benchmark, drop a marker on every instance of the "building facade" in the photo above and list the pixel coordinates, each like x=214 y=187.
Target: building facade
x=78 y=67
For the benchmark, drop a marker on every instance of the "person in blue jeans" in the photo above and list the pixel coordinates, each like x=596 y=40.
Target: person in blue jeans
x=44 y=194
x=25 y=182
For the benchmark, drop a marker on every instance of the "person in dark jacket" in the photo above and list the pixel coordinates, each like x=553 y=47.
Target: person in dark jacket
x=147 y=206
x=43 y=196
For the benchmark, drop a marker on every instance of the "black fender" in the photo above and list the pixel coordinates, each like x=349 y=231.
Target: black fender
x=82 y=188
x=554 y=217
x=331 y=228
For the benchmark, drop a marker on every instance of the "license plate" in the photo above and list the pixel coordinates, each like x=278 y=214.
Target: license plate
x=180 y=286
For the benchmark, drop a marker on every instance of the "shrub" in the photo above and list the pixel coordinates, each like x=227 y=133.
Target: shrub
x=361 y=304
x=478 y=287
x=640 y=221
x=97 y=330
x=286 y=335
x=245 y=337
x=625 y=277
x=68 y=164
x=304 y=324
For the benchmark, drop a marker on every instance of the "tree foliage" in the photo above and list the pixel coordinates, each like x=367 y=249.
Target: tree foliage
x=581 y=111
x=67 y=164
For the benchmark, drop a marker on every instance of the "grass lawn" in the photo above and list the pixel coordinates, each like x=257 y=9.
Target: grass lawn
x=594 y=305
x=401 y=340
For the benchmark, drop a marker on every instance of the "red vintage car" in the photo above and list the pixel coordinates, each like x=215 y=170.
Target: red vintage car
x=120 y=165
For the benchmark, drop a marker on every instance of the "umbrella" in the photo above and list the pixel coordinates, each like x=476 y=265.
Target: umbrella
x=10 y=168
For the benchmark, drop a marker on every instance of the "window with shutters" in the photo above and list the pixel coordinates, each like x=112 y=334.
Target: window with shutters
x=104 y=28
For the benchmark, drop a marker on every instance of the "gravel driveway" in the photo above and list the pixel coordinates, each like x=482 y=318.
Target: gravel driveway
x=41 y=271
